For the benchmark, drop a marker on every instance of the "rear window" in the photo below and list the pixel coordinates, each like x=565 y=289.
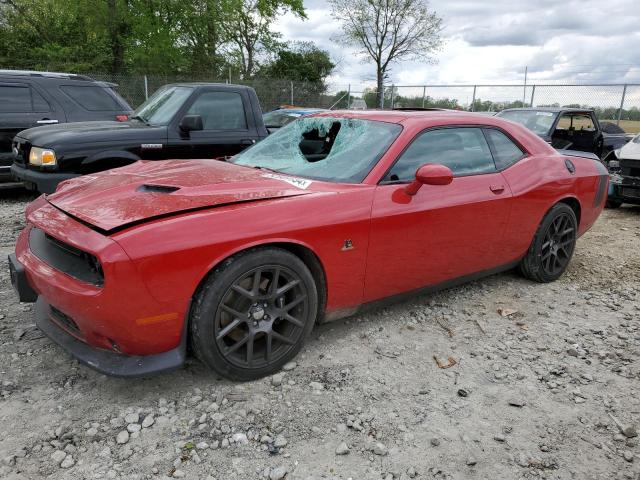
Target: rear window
x=92 y=97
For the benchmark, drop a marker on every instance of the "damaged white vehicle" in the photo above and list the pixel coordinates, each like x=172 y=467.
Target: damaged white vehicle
x=624 y=169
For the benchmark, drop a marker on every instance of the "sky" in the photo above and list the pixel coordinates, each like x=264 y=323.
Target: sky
x=489 y=42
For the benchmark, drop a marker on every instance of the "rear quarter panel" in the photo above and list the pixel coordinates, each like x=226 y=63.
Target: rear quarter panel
x=540 y=181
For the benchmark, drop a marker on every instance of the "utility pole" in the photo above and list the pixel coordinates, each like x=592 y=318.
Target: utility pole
x=624 y=94
x=473 y=100
x=524 y=90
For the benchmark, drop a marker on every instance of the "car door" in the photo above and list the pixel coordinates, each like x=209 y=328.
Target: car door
x=21 y=107
x=442 y=232
x=228 y=125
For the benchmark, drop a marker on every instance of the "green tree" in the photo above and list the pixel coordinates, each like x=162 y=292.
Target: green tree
x=51 y=34
x=246 y=26
x=151 y=36
x=304 y=62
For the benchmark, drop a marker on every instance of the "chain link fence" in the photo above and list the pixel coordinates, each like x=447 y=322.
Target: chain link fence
x=272 y=92
x=614 y=102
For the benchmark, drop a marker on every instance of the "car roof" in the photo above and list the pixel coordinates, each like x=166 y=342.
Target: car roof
x=301 y=111
x=36 y=74
x=206 y=84
x=550 y=109
x=425 y=117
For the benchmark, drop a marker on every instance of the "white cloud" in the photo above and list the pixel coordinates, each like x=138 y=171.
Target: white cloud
x=573 y=41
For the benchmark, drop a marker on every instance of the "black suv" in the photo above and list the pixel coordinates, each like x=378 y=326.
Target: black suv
x=30 y=99
x=182 y=120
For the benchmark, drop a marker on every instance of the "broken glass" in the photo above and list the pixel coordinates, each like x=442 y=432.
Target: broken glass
x=323 y=148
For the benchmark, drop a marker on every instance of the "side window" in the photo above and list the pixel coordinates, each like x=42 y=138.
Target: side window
x=220 y=111
x=91 y=97
x=505 y=152
x=15 y=99
x=464 y=150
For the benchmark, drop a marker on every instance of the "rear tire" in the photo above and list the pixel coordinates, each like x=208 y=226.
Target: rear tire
x=552 y=246
x=253 y=313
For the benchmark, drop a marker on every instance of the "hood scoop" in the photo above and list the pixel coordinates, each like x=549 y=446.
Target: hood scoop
x=148 y=188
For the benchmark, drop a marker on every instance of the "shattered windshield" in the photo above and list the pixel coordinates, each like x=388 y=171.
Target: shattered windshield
x=538 y=121
x=330 y=149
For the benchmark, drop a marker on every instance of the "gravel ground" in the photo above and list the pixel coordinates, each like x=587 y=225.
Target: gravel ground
x=545 y=385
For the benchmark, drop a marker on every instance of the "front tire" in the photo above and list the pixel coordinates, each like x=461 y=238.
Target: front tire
x=253 y=313
x=552 y=246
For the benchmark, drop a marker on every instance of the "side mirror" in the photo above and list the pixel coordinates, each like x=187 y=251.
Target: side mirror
x=190 y=123
x=430 y=175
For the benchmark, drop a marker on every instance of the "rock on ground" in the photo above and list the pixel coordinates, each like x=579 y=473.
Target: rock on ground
x=568 y=352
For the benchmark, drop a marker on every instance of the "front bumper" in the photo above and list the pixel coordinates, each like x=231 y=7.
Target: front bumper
x=625 y=193
x=20 y=282
x=5 y=173
x=118 y=328
x=44 y=182
x=106 y=361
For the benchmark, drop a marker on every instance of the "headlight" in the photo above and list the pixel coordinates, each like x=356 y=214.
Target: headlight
x=617 y=152
x=42 y=156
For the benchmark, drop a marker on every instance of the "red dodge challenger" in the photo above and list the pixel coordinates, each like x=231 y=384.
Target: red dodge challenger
x=332 y=213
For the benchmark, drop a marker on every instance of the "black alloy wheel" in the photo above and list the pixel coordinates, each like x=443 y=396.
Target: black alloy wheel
x=552 y=246
x=261 y=316
x=253 y=313
x=557 y=247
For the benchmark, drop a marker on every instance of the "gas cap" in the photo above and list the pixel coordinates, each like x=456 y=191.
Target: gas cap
x=570 y=166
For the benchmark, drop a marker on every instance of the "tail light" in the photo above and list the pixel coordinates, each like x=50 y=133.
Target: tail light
x=122 y=118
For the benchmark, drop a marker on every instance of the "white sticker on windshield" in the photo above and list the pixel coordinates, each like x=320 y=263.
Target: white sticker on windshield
x=544 y=114
x=296 y=182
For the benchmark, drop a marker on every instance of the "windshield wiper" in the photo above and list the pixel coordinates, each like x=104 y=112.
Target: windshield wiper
x=138 y=117
x=265 y=168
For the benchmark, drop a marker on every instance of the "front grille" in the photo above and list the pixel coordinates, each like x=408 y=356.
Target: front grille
x=630 y=168
x=66 y=258
x=631 y=192
x=64 y=320
x=23 y=147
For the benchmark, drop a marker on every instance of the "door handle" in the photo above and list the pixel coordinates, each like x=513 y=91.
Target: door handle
x=46 y=121
x=248 y=141
x=496 y=188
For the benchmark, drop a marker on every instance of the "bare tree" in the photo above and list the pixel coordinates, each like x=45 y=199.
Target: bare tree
x=388 y=31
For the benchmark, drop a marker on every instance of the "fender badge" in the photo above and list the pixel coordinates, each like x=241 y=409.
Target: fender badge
x=151 y=146
x=348 y=245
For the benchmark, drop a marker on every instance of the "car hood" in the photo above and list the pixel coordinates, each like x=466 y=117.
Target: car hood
x=89 y=132
x=631 y=151
x=148 y=190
